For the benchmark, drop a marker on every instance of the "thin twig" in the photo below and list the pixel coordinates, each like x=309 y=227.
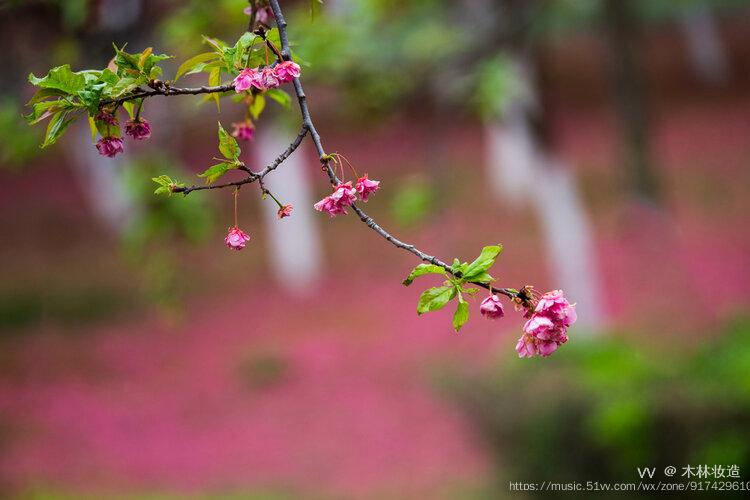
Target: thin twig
x=166 y=90
x=252 y=176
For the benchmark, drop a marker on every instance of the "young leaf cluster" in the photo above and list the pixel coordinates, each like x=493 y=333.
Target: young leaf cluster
x=230 y=151
x=64 y=94
x=455 y=286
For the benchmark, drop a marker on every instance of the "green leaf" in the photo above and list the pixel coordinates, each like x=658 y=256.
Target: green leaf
x=107 y=76
x=148 y=63
x=129 y=107
x=126 y=63
x=60 y=78
x=280 y=96
x=228 y=145
x=193 y=62
x=421 y=270
x=215 y=171
x=481 y=278
x=457 y=267
x=214 y=79
x=461 y=316
x=56 y=127
x=166 y=184
x=435 y=298
x=123 y=86
x=43 y=94
x=45 y=109
x=92 y=127
x=482 y=263
x=257 y=106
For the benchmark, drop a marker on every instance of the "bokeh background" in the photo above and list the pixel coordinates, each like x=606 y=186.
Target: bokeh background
x=604 y=143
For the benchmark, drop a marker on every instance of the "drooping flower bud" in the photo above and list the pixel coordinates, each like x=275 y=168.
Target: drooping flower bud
x=109 y=146
x=365 y=187
x=492 y=308
x=236 y=238
x=243 y=130
x=285 y=211
x=106 y=117
x=139 y=129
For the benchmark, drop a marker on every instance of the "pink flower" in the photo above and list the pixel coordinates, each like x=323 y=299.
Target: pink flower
x=555 y=305
x=236 y=238
x=344 y=194
x=267 y=80
x=287 y=71
x=540 y=327
x=138 y=129
x=526 y=347
x=547 y=348
x=106 y=117
x=246 y=79
x=492 y=308
x=365 y=187
x=243 y=130
x=330 y=206
x=285 y=211
x=109 y=146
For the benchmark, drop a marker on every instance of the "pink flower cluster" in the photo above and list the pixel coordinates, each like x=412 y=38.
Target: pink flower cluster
x=266 y=78
x=137 y=128
x=236 y=238
x=547 y=327
x=344 y=195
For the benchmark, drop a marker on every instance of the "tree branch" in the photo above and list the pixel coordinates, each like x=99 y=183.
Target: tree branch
x=162 y=88
x=325 y=161
x=252 y=176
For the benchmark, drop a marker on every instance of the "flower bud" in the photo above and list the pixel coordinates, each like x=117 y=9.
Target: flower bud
x=139 y=129
x=109 y=146
x=236 y=238
x=492 y=308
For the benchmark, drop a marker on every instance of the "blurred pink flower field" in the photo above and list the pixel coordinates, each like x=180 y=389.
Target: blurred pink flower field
x=335 y=395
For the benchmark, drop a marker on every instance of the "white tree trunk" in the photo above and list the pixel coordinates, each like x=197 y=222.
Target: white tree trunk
x=569 y=240
x=705 y=47
x=519 y=170
x=100 y=179
x=294 y=243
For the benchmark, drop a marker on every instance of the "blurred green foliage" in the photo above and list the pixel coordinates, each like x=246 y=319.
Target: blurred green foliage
x=160 y=225
x=20 y=142
x=412 y=201
x=602 y=407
